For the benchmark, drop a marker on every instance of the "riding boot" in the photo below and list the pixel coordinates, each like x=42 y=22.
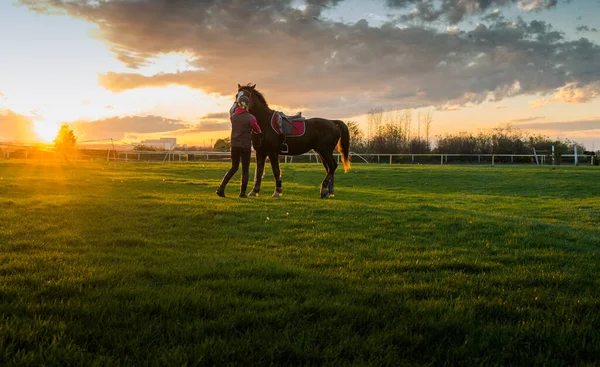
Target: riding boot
x=243 y=187
x=243 y=192
x=221 y=188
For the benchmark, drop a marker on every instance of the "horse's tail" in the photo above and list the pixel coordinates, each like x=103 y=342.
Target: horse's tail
x=344 y=144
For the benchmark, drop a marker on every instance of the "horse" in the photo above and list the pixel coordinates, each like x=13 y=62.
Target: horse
x=319 y=134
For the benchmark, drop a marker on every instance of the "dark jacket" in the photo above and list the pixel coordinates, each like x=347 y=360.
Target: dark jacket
x=242 y=122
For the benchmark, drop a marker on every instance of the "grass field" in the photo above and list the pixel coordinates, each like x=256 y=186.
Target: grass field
x=408 y=265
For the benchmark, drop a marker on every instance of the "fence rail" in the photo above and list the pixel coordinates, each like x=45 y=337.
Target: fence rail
x=186 y=156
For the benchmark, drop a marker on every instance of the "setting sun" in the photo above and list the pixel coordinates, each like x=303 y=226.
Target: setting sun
x=46 y=130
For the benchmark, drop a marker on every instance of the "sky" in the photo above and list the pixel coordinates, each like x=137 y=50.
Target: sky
x=130 y=70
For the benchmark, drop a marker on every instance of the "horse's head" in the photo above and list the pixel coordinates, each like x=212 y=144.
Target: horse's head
x=245 y=93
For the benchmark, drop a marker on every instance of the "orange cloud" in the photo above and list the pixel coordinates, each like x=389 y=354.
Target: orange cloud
x=16 y=128
x=571 y=93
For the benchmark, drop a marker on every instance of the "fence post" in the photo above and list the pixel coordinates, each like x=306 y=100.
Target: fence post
x=493 y=156
x=576 y=158
x=390 y=159
x=441 y=159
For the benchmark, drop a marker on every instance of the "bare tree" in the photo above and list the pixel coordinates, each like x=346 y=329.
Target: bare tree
x=374 y=121
x=427 y=119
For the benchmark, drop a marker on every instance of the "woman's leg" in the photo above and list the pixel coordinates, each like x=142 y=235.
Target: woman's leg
x=235 y=164
x=245 y=157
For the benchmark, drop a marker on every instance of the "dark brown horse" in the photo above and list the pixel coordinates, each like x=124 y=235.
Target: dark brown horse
x=319 y=134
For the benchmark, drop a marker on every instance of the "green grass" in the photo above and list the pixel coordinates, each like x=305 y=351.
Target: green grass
x=408 y=265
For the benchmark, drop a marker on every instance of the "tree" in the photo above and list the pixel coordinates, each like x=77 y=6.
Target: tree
x=65 y=141
x=144 y=148
x=222 y=145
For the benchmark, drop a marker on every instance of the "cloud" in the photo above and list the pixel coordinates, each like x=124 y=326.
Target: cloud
x=118 y=127
x=209 y=125
x=454 y=11
x=585 y=28
x=531 y=5
x=302 y=60
x=217 y=115
x=573 y=93
x=217 y=121
x=447 y=108
x=539 y=103
x=526 y=119
x=579 y=125
x=15 y=128
x=570 y=93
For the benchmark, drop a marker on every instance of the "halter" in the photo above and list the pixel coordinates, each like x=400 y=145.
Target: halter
x=242 y=93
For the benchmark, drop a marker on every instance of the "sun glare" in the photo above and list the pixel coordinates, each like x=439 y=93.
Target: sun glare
x=46 y=130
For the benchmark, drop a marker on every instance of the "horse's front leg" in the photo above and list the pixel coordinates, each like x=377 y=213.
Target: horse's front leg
x=258 y=173
x=274 y=158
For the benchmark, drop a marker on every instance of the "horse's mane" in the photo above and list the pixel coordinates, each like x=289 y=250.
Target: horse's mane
x=258 y=94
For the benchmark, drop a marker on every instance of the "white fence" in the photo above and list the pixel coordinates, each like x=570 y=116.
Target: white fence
x=185 y=156
x=443 y=158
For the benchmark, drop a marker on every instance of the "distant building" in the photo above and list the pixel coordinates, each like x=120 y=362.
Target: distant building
x=162 y=143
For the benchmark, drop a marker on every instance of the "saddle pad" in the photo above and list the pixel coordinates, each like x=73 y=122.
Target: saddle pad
x=298 y=126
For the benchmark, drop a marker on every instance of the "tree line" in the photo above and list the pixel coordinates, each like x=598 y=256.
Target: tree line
x=396 y=132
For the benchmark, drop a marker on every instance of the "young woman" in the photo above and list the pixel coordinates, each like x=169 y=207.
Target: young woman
x=242 y=122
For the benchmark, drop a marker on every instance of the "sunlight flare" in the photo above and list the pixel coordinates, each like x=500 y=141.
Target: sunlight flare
x=46 y=130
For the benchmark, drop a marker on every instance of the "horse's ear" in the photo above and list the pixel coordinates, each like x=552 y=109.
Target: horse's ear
x=239 y=86
x=253 y=86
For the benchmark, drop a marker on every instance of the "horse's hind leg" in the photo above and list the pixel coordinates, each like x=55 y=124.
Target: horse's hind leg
x=332 y=176
x=274 y=158
x=325 y=184
x=258 y=173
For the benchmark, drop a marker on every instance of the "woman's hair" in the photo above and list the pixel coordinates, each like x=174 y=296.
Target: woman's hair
x=244 y=102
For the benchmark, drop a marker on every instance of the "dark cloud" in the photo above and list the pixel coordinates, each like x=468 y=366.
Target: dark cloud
x=303 y=61
x=117 y=127
x=585 y=28
x=453 y=11
x=15 y=128
x=583 y=125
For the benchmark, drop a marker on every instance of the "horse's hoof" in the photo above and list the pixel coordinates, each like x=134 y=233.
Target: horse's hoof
x=276 y=194
x=331 y=195
x=253 y=194
x=325 y=195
